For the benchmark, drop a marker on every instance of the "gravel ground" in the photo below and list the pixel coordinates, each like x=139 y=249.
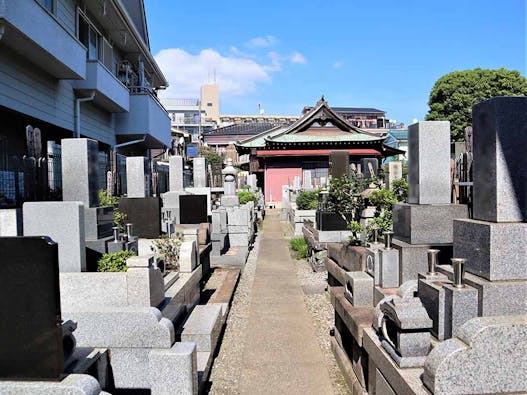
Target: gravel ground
x=226 y=370
x=317 y=302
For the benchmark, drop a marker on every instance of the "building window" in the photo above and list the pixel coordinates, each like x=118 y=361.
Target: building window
x=319 y=173
x=209 y=104
x=90 y=38
x=47 y=4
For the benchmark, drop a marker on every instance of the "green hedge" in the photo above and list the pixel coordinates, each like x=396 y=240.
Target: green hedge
x=307 y=200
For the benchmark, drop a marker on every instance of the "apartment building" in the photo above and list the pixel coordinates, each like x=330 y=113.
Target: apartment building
x=78 y=68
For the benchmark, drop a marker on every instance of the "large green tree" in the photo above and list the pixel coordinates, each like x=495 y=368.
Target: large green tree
x=454 y=94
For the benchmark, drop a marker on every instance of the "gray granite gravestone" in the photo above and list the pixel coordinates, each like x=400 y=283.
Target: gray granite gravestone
x=138 y=177
x=429 y=162
x=200 y=172
x=80 y=171
x=499 y=165
x=175 y=173
x=395 y=172
x=30 y=329
x=229 y=199
x=64 y=223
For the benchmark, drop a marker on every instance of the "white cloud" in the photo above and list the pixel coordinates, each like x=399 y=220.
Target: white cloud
x=186 y=72
x=262 y=42
x=297 y=57
x=276 y=62
x=338 y=64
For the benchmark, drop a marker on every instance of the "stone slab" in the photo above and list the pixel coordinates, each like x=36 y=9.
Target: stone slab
x=129 y=327
x=63 y=222
x=429 y=162
x=355 y=318
x=202 y=191
x=174 y=370
x=426 y=223
x=331 y=236
x=500 y=182
x=485 y=358
x=188 y=256
x=495 y=251
x=203 y=327
x=239 y=239
x=71 y=384
x=350 y=257
x=200 y=172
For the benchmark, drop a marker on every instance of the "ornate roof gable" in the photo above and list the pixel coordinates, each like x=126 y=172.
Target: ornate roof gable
x=322 y=115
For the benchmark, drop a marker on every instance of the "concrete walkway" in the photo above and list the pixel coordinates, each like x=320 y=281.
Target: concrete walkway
x=281 y=354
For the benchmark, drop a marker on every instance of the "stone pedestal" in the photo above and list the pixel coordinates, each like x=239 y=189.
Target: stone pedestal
x=432 y=295
x=461 y=305
x=426 y=223
x=359 y=289
x=495 y=251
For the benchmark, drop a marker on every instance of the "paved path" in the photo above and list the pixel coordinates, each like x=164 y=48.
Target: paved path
x=281 y=354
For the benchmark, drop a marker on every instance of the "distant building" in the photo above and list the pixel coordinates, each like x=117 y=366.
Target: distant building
x=302 y=149
x=227 y=120
x=398 y=138
x=369 y=119
x=210 y=100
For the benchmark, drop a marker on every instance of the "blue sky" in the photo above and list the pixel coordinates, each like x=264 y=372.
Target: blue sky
x=286 y=54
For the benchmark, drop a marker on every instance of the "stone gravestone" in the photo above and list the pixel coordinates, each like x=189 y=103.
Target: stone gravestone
x=193 y=209
x=175 y=164
x=494 y=241
x=339 y=163
x=138 y=177
x=64 y=223
x=370 y=167
x=429 y=163
x=395 y=172
x=200 y=172
x=30 y=327
x=145 y=214
x=80 y=171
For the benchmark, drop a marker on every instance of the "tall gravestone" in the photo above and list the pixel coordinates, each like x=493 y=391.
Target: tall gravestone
x=200 y=172
x=138 y=177
x=30 y=331
x=494 y=242
x=80 y=171
x=176 y=168
x=395 y=172
x=426 y=220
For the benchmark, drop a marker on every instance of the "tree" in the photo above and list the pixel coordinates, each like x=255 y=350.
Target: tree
x=454 y=94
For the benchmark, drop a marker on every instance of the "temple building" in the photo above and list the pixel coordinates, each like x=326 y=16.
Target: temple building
x=303 y=148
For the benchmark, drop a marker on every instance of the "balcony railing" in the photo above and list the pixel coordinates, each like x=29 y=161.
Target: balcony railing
x=146 y=90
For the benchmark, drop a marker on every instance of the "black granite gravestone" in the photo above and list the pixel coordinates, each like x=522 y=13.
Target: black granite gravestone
x=193 y=209
x=30 y=329
x=369 y=167
x=339 y=163
x=328 y=220
x=145 y=214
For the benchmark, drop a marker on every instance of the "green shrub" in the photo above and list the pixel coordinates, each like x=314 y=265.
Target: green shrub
x=169 y=249
x=307 y=200
x=114 y=262
x=299 y=247
x=383 y=199
x=246 y=197
x=107 y=200
x=400 y=189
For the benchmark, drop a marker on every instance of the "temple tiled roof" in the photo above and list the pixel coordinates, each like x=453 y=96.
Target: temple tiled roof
x=244 y=129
